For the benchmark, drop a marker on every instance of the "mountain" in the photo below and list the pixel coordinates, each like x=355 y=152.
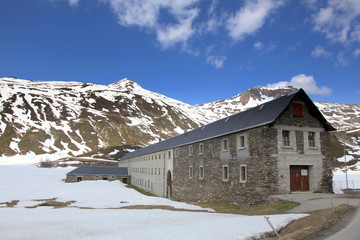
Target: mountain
x=251 y=98
x=73 y=117
x=341 y=116
x=76 y=118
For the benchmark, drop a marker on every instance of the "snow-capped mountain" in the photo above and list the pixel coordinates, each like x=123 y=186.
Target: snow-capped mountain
x=73 y=117
x=251 y=98
x=46 y=117
x=341 y=116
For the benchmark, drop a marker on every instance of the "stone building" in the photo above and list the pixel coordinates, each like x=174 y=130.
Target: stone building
x=87 y=173
x=278 y=147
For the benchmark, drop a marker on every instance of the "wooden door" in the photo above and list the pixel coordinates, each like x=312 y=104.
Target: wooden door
x=299 y=178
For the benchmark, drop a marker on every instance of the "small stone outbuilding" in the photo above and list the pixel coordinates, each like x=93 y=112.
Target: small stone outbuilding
x=98 y=173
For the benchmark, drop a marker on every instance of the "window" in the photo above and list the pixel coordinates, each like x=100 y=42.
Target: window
x=298 y=110
x=169 y=154
x=224 y=145
x=243 y=173
x=242 y=142
x=201 y=172
x=311 y=138
x=286 y=137
x=191 y=150
x=201 y=148
x=191 y=172
x=176 y=152
x=225 y=172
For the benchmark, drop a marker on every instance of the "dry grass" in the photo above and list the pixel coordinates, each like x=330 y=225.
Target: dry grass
x=352 y=192
x=51 y=202
x=273 y=207
x=140 y=190
x=319 y=223
x=10 y=204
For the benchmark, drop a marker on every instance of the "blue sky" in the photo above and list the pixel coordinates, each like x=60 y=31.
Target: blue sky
x=196 y=51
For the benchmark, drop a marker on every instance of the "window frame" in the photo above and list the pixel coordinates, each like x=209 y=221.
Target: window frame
x=176 y=152
x=225 y=173
x=201 y=172
x=191 y=172
x=312 y=139
x=285 y=139
x=243 y=174
x=201 y=149
x=242 y=142
x=224 y=147
x=191 y=150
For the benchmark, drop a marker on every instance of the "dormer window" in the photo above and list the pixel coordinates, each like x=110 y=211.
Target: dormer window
x=298 y=110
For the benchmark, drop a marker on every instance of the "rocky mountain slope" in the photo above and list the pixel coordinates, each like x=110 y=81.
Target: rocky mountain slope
x=75 y=118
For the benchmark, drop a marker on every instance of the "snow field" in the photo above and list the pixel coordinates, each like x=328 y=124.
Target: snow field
x=28 y=183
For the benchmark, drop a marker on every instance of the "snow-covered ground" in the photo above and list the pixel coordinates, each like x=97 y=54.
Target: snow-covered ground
x=353 y=180
x=29 y=183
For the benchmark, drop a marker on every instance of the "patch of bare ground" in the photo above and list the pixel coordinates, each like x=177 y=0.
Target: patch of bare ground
x=274 y=206
x=319 y=224
x=164 y=207
x=9 y=204
x=142 y=207
x=51 y=202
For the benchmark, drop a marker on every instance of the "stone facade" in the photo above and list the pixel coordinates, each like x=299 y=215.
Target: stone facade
x=289 y=152
x=266 y=161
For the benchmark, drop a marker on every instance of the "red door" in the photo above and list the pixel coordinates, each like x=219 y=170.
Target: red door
x=299 y=178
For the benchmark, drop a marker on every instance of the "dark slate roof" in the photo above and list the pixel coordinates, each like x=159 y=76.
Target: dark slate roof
x=261 y=115
x=94 y=170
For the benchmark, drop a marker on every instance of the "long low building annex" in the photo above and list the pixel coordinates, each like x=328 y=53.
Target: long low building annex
x=278 y=147
x=88 y=173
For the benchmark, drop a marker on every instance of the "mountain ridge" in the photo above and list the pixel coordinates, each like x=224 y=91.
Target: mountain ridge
x=76 y=117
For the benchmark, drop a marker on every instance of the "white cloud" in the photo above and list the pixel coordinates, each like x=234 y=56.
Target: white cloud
x=312 y=4
x=356 y=53
x=74 y=3
x=339 y=20
x=320 y=52
x=250 y=18
x=305 y=82
x=258 y=45
x=216 y=61
x=146 y=14
x=341 y=59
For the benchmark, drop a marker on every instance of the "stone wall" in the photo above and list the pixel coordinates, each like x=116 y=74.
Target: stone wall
x=73 y=178
x=261 y=169
x=267 y=162
x=317 y=158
